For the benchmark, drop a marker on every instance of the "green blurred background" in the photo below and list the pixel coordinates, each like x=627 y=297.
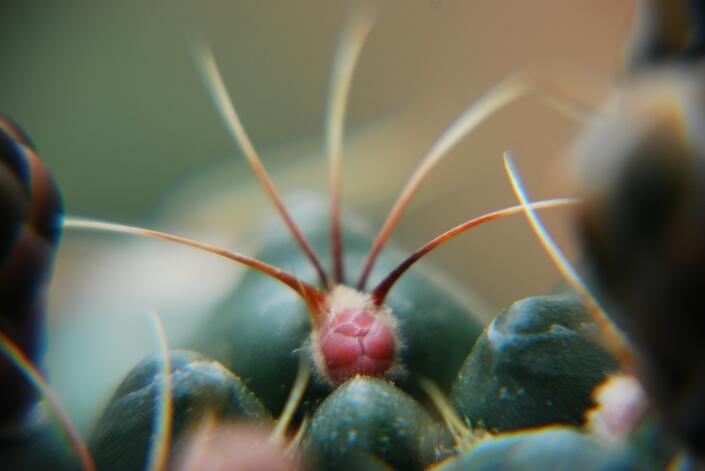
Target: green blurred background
x=109 y=92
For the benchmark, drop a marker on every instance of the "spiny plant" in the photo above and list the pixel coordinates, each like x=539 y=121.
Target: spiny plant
x=535 y=364
x=353 y=332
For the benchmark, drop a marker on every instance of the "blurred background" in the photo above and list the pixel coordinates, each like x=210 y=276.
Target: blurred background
x=110 y=94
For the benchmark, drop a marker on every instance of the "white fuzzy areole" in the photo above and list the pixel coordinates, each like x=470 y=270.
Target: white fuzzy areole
x=344 y=297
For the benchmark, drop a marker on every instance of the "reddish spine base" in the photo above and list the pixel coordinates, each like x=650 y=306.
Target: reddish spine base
x=356 y=342
x=354 y=337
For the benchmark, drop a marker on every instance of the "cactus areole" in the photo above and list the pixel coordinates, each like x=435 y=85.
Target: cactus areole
x=355 y=336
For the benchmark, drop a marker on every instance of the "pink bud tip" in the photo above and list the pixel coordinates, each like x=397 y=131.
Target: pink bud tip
x=356 y=342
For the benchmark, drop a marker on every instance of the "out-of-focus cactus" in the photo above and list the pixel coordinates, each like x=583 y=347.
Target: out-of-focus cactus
x=30 y=224
x=643 y=224
x=545 y=448
x=200 y=389
x=667 y=32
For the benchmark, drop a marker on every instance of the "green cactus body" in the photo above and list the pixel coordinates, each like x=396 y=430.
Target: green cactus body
x=544 y=449
x=536 y=364
x=200 y=388
x=369 y=422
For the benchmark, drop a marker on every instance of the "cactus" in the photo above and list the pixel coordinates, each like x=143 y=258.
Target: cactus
x=304 y=368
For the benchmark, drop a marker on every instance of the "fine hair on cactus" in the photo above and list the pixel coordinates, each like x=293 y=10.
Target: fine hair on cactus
x=353 y=331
